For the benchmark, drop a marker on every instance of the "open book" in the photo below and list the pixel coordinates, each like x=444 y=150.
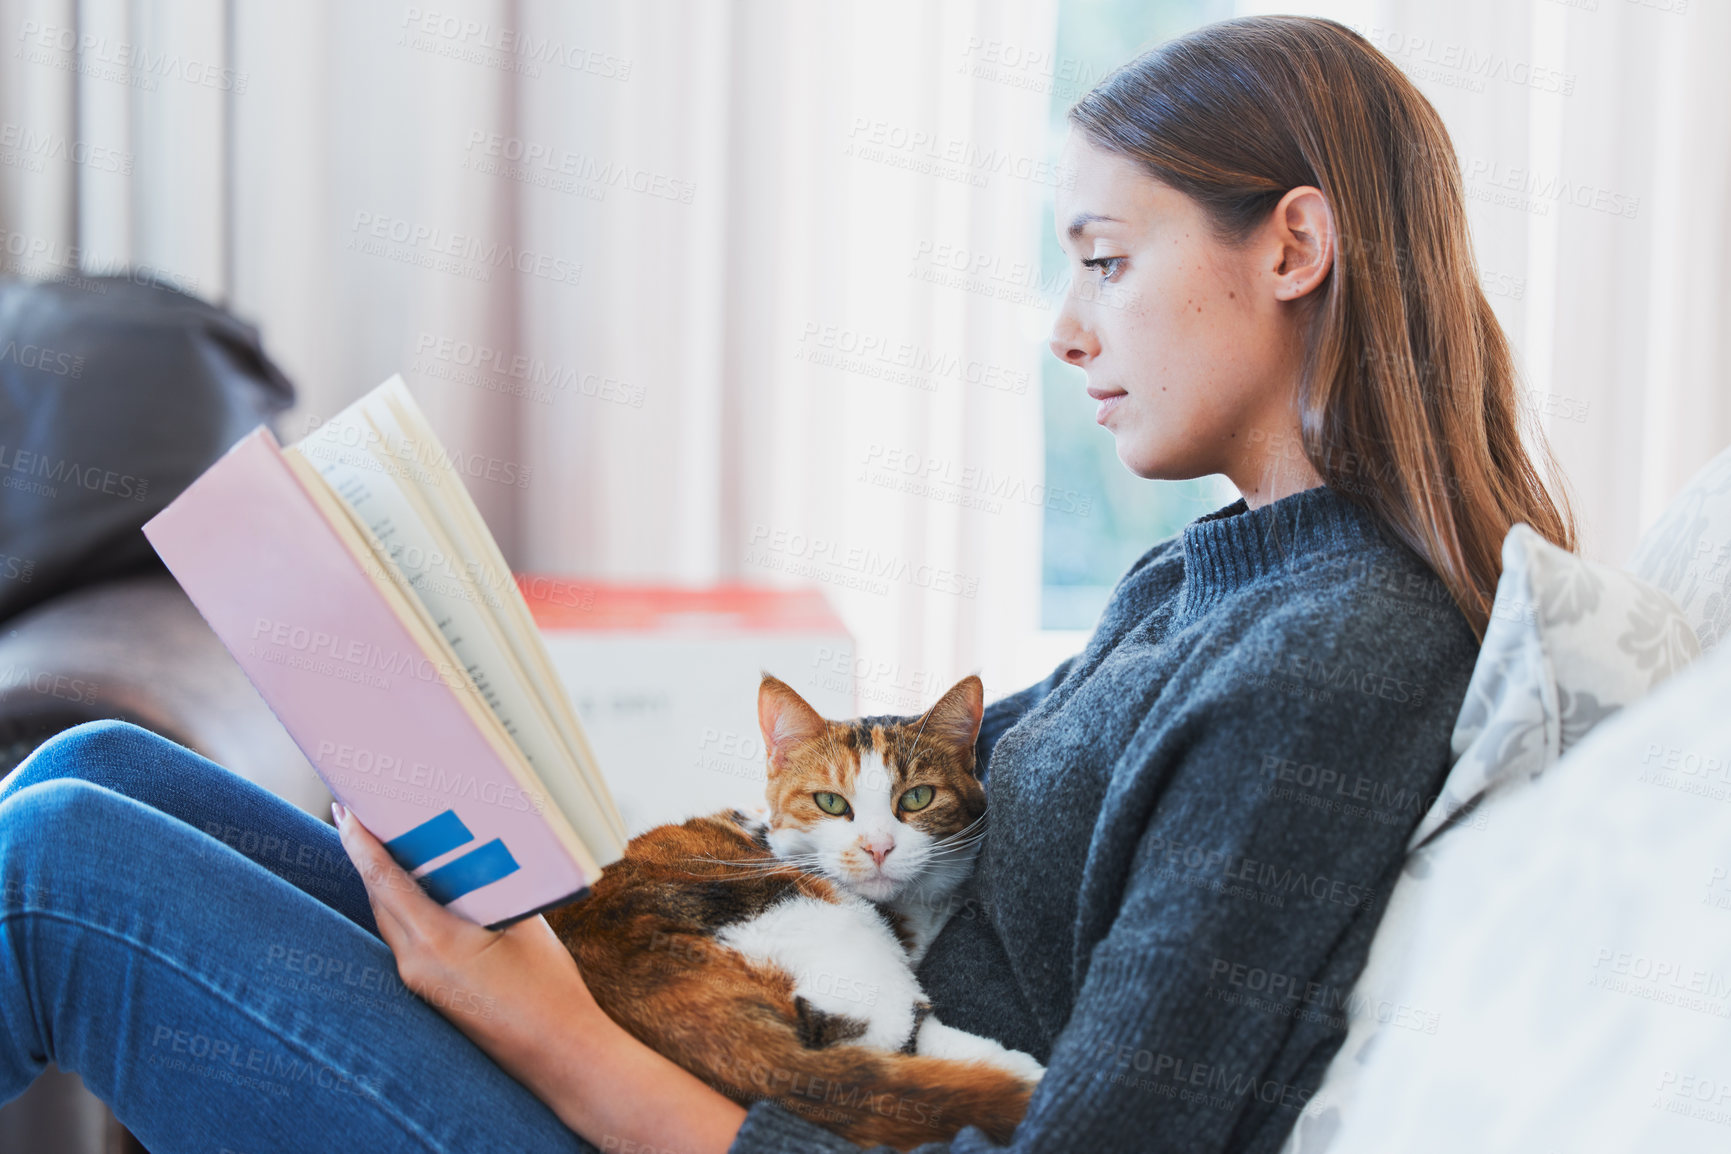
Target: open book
x=354 y=581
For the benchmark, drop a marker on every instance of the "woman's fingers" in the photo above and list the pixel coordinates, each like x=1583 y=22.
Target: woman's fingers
x=427 y=939
x=373 y=865
x=398 y=901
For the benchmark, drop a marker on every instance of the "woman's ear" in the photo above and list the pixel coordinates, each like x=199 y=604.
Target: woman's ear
x=956 y=716
x=1304 y=234
x=785 y=719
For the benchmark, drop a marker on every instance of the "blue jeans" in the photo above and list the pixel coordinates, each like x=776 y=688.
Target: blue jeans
x=202 y=953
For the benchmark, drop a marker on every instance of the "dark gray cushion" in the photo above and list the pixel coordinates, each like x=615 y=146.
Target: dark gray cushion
x=114 y=396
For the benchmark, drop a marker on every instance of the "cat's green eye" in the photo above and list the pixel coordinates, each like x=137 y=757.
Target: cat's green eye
x=918 y=797
x=831 y=803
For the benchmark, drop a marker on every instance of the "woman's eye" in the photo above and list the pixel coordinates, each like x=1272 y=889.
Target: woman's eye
x=1107 y=266
x=917 y=798
x=833 y=804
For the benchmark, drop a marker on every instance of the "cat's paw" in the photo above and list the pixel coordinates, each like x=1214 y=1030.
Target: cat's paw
x=1021 y=1065
x=940 y=1041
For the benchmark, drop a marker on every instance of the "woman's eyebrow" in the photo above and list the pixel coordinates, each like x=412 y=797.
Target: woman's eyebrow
x=1084 y=219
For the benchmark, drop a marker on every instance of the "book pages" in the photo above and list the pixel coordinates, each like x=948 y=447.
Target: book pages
x=387 y=490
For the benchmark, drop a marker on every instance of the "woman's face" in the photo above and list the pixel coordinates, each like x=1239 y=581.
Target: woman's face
x=1190 y=346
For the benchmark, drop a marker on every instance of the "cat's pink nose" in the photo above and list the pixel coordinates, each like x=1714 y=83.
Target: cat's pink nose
x=879 y=848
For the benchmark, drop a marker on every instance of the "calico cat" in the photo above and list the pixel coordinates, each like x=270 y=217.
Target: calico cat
x=772 y=954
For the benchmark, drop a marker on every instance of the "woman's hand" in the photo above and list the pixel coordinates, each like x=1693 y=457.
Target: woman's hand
x=517 y=994
x=500 y=987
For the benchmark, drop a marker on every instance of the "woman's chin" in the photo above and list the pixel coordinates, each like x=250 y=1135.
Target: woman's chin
x=1134 y=456
x=1150 y=460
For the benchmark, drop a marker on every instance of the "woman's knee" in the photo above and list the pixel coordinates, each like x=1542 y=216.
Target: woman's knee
x=92 y=751
x=50 y=827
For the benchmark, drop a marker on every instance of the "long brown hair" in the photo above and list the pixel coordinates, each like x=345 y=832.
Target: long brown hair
x=1408 y=398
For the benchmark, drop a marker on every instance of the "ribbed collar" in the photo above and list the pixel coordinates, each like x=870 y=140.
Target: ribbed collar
x=1231 y=547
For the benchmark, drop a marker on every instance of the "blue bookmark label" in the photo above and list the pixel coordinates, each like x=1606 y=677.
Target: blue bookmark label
x=433 y=837
x=477 y=868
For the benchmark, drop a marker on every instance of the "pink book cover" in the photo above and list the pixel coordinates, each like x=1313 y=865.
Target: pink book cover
x=373 y=714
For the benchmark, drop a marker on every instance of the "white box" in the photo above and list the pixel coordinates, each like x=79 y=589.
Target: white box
x=665 y=681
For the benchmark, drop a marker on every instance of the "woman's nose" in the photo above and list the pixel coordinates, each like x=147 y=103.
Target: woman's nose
x=1071 y=343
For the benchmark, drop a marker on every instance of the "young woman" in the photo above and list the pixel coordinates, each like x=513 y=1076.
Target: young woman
x=1274 y=283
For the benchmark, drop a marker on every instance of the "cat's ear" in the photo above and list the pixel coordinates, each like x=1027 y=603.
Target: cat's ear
x=785 y=718
x=956 y=716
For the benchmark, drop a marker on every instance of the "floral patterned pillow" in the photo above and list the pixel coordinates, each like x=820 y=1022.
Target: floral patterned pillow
x=1687 y=553
x=1569 y=643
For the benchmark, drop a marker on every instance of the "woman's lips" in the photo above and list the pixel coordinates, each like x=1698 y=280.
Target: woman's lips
x=1108 y=402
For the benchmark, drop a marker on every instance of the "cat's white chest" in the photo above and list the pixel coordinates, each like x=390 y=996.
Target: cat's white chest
x=843 y=959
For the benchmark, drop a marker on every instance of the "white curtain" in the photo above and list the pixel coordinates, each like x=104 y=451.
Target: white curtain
x=664 y=274
x=1595 y=142
x=707 y=291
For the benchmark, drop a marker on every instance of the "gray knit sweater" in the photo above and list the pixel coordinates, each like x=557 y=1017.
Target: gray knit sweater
x=1194 y=826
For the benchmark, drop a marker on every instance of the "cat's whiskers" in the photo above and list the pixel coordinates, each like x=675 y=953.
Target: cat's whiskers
x=979 y=823
x=951 y=854
x=967 y=837
x=946 y=853
x=751 y=868
x=761 y=863
x=907 y=759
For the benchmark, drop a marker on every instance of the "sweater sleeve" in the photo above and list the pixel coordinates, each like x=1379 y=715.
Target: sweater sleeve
x=1214 y=997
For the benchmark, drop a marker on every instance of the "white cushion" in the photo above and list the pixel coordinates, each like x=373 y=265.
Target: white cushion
x=1687 y=552
x=1559 y=979
x=1569 y=642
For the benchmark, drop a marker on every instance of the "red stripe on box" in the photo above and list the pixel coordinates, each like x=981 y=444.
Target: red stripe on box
x=565 y=603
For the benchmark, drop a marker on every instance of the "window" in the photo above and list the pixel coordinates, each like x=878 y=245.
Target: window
x=1108 y=517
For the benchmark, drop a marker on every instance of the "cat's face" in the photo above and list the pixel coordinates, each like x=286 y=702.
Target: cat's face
x=884 y=806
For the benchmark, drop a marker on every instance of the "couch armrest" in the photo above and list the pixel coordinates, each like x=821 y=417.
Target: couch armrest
x=137 y=649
